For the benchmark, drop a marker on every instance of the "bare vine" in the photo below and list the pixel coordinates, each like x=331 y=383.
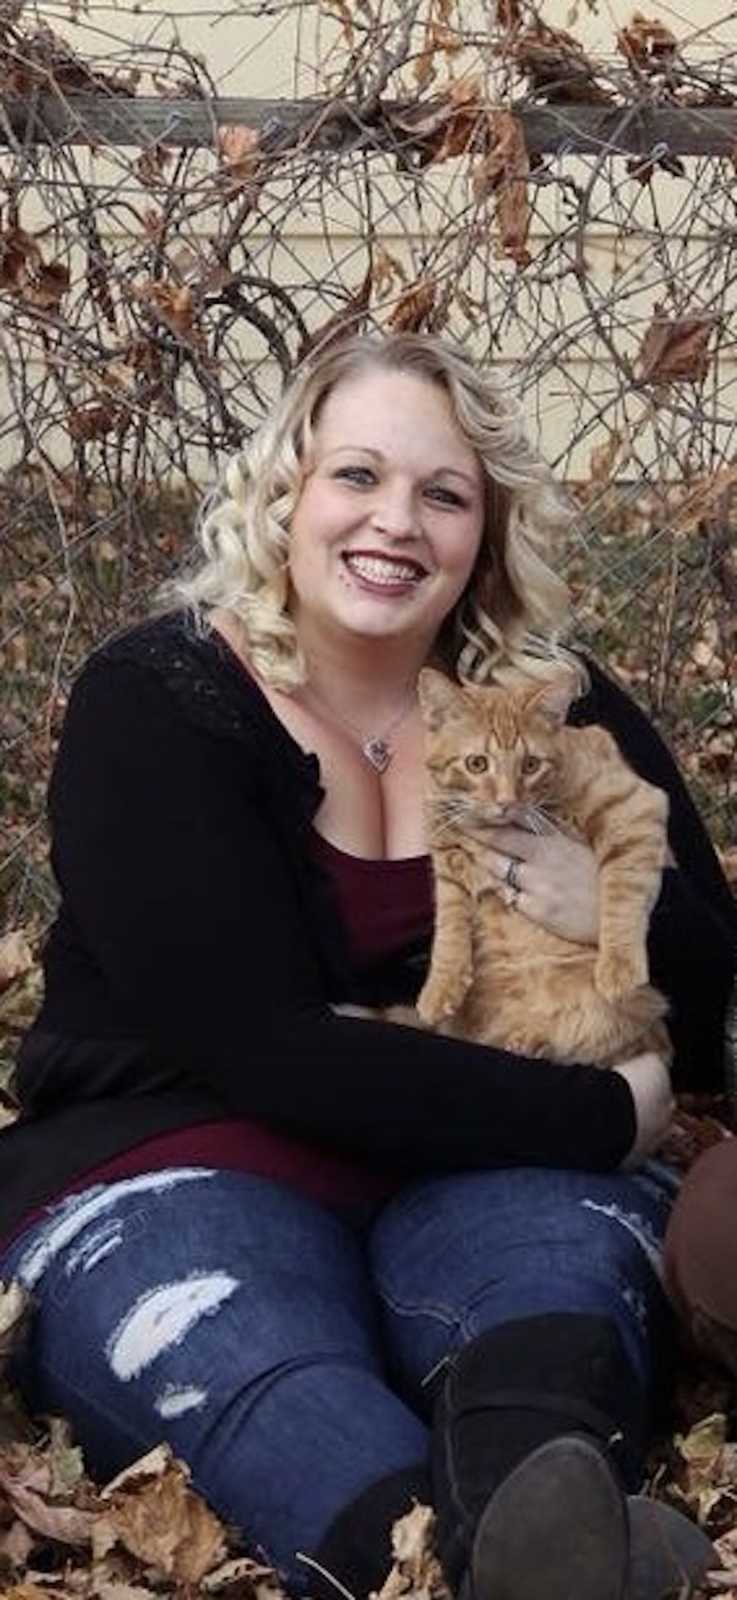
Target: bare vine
x=155 y=295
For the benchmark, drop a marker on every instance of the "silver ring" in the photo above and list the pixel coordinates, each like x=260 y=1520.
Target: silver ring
x=512 y=878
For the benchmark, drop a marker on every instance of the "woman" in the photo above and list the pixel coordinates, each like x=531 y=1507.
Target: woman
x=341 y=1264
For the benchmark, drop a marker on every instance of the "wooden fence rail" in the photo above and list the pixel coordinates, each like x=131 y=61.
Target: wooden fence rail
x=340 y=126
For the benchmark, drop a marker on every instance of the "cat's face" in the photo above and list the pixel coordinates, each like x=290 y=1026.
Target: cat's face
x=493 y=755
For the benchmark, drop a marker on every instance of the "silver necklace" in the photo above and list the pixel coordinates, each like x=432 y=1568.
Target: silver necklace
x=375 y=747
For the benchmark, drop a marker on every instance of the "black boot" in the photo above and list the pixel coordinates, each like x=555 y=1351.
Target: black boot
x=356 y=1550
x=539 y=1424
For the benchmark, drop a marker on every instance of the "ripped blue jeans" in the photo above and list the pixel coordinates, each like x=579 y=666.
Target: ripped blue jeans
x=287 y=1353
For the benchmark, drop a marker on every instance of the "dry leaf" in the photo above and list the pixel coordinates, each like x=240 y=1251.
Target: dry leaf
x=238 y=155
x=25 y=1480
x=153 y=1513
x=646 y=43
x=26 y=1591
x=151 y=164
x=508 y=14
x=342 y=324
x=46 y=285
x=709 y=1471
x=24 y=272
x=603 y=459
x=503 y=171
x=674 y=349
x=17 y=250
x=92 y=422
x=557 y=65
x=65 y=1459
x=16 y=958
x=16 y=1543
x=416 y=1569
x=414 y=306
x=243 y=1578
x=386 y=270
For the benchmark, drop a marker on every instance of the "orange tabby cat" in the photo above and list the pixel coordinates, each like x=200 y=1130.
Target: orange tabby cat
x=498 y=755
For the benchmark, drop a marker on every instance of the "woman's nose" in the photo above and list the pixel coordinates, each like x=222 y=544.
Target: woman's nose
x=394 y=514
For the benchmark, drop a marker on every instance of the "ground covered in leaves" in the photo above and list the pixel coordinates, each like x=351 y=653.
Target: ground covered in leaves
x=147 y=1533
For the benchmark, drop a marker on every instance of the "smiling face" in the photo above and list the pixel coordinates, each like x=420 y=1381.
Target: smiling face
x=387 y=527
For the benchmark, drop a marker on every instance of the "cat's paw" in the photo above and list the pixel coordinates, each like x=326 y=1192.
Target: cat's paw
x=440 y=999
x=618 y=972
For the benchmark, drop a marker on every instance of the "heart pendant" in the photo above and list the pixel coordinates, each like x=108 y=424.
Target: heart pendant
x=378 y=753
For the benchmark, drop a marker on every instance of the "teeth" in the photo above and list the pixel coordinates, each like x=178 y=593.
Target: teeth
x=383 y=571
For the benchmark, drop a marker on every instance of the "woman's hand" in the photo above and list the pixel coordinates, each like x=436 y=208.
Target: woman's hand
x=649 y=1081
x=557 y=878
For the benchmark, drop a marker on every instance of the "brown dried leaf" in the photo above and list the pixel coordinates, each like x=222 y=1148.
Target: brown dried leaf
x=508 y=15
x=238 y=154
x=604 y=458
x=243 y=1579
x=16 y=1543
x=646 y=43
x=26 y=1591
x=151 y=165
x=557 y=65
x=386 y=270
x=92 y=422
x=416 y=1570
x=153 y=1513
x=65 y=1459
x=503 y=171
x=414 y=306
x=174 y=304
x=674 y=349
x=709 y=1466
x=342 y=324
x=25 y=1480
x=16 y=957
x=423 y=67
x=46 y=284
x=18 y=254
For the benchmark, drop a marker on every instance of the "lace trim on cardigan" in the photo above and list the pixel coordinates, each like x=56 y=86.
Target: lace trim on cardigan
x=214 y=693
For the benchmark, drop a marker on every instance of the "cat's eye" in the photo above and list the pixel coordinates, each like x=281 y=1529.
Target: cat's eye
x=531 y=764
x=477 y=763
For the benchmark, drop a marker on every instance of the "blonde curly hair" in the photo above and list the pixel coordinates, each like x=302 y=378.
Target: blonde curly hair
x=514 y=606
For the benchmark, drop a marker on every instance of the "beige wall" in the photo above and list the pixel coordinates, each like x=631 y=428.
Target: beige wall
x=545 y=336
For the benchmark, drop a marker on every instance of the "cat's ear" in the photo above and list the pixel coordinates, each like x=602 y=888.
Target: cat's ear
x=439 y=698
x=552 y=700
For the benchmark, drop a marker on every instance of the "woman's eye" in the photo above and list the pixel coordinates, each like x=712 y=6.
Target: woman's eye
x=360 y=475
x=531 y=764
x=477 y=763
x=444 y=497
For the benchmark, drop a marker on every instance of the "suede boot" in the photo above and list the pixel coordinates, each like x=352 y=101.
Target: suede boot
x=539 y=1426
x=356 y=1550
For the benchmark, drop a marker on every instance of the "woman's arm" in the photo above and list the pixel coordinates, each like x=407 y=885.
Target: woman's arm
x=172 y=870
x=693 y=931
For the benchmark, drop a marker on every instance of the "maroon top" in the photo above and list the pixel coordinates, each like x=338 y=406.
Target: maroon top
x=385 y=906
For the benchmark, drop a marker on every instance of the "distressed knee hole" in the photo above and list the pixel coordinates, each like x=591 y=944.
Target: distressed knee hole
x=162 y=1318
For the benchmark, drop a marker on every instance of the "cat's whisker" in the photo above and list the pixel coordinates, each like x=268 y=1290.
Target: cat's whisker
x=538 y=821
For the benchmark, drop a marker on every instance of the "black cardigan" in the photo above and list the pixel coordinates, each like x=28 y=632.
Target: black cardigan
x=190 y=970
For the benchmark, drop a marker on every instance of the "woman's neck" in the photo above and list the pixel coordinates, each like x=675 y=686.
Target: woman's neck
x=367 y=681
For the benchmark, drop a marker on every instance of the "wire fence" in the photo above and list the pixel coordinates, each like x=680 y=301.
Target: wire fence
x=168 y=255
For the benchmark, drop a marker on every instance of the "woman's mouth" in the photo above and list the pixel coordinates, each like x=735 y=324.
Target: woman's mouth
x=384 y=574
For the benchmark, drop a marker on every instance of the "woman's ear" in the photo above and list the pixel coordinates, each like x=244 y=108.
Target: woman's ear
x=439 y=698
